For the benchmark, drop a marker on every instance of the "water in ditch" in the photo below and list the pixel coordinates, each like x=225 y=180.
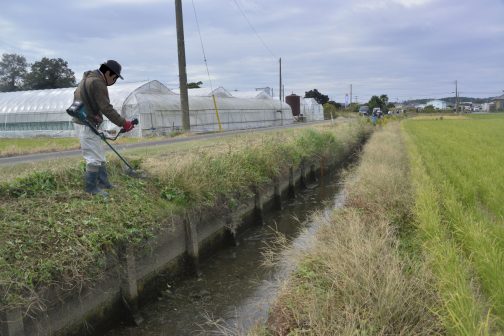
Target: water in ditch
x=235 y=288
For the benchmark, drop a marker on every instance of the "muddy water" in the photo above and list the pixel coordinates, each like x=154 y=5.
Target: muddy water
x=235 y=289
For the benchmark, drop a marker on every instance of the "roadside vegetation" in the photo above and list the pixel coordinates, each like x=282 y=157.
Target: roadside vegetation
x=22 y=146
x=56 y=237
x=13 y=147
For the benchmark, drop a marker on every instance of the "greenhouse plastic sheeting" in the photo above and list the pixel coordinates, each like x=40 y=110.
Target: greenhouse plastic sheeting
x=311 y=110
x=206 y=92
x=161 y=114
x=251 y=94
x=43 y=112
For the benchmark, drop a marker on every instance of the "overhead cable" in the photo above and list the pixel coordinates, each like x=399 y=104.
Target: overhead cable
x=206 y=65
x=253 y=29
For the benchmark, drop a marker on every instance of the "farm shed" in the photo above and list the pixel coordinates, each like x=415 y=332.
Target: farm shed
x=42 y=112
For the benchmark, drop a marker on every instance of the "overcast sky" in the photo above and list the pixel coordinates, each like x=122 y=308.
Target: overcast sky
x=402 y=48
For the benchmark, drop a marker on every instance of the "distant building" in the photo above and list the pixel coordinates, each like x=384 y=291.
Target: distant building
x=438 y=104
x=499 y=102
x=488 y=107
x=477 y=108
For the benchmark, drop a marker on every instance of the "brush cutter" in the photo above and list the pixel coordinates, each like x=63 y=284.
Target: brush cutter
x=77 y=110
x=130 y=171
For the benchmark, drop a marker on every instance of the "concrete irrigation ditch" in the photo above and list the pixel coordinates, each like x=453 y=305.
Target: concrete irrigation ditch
x=134 y=276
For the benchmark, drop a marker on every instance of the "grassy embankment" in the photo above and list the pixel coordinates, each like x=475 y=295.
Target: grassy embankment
x=55 y=236
x=357 y=278
x=418 y=248
x=457 y=170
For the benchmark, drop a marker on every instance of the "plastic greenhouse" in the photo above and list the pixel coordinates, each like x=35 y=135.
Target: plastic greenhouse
x=234 y=113
x=30 y=113
x=42 y=112
x=311 y=110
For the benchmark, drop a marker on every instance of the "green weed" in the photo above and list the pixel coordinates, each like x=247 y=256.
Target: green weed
x=34 y=184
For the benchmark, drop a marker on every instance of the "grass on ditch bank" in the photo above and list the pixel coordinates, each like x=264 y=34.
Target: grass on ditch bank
x=58 y=237
x=358 y=277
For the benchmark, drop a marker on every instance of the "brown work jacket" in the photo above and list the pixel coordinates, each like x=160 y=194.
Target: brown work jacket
x=99 y=104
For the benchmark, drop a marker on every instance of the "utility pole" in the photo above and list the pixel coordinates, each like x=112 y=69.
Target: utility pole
x=280 y=87
x=184 y=99
x=350 y=94
x=456 y=97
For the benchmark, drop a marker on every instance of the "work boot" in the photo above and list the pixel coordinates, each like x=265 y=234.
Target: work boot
x=91 y=181
x=103 y=181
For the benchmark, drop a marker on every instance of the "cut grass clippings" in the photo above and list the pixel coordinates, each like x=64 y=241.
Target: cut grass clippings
x=58 y=238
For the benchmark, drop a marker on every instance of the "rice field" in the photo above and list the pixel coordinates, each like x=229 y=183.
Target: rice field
x=456 y=170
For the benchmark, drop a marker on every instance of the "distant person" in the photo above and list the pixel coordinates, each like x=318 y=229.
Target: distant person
x=374 y=117
x=93 y=92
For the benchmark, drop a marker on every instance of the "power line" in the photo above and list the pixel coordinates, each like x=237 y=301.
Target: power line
x=253 y=29
x=206 y=65
x=202 y=46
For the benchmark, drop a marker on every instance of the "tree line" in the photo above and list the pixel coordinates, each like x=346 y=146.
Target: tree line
x=375 y=101
x=17 y=74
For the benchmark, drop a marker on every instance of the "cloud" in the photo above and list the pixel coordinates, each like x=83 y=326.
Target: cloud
x=403 y=47
x=371 y=5
x=116 y=3
x=413 y=3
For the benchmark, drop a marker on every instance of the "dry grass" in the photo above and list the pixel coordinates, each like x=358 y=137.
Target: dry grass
x=355 y=280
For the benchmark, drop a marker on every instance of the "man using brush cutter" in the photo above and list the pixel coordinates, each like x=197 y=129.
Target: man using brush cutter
x=93 y=93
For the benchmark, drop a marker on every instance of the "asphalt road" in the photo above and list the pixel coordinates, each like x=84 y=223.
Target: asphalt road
x=12 y=160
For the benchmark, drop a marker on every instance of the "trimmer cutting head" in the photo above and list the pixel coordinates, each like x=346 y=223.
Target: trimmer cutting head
x=135 y=173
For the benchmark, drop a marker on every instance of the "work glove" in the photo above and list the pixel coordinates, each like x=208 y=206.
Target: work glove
x=128 y=125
